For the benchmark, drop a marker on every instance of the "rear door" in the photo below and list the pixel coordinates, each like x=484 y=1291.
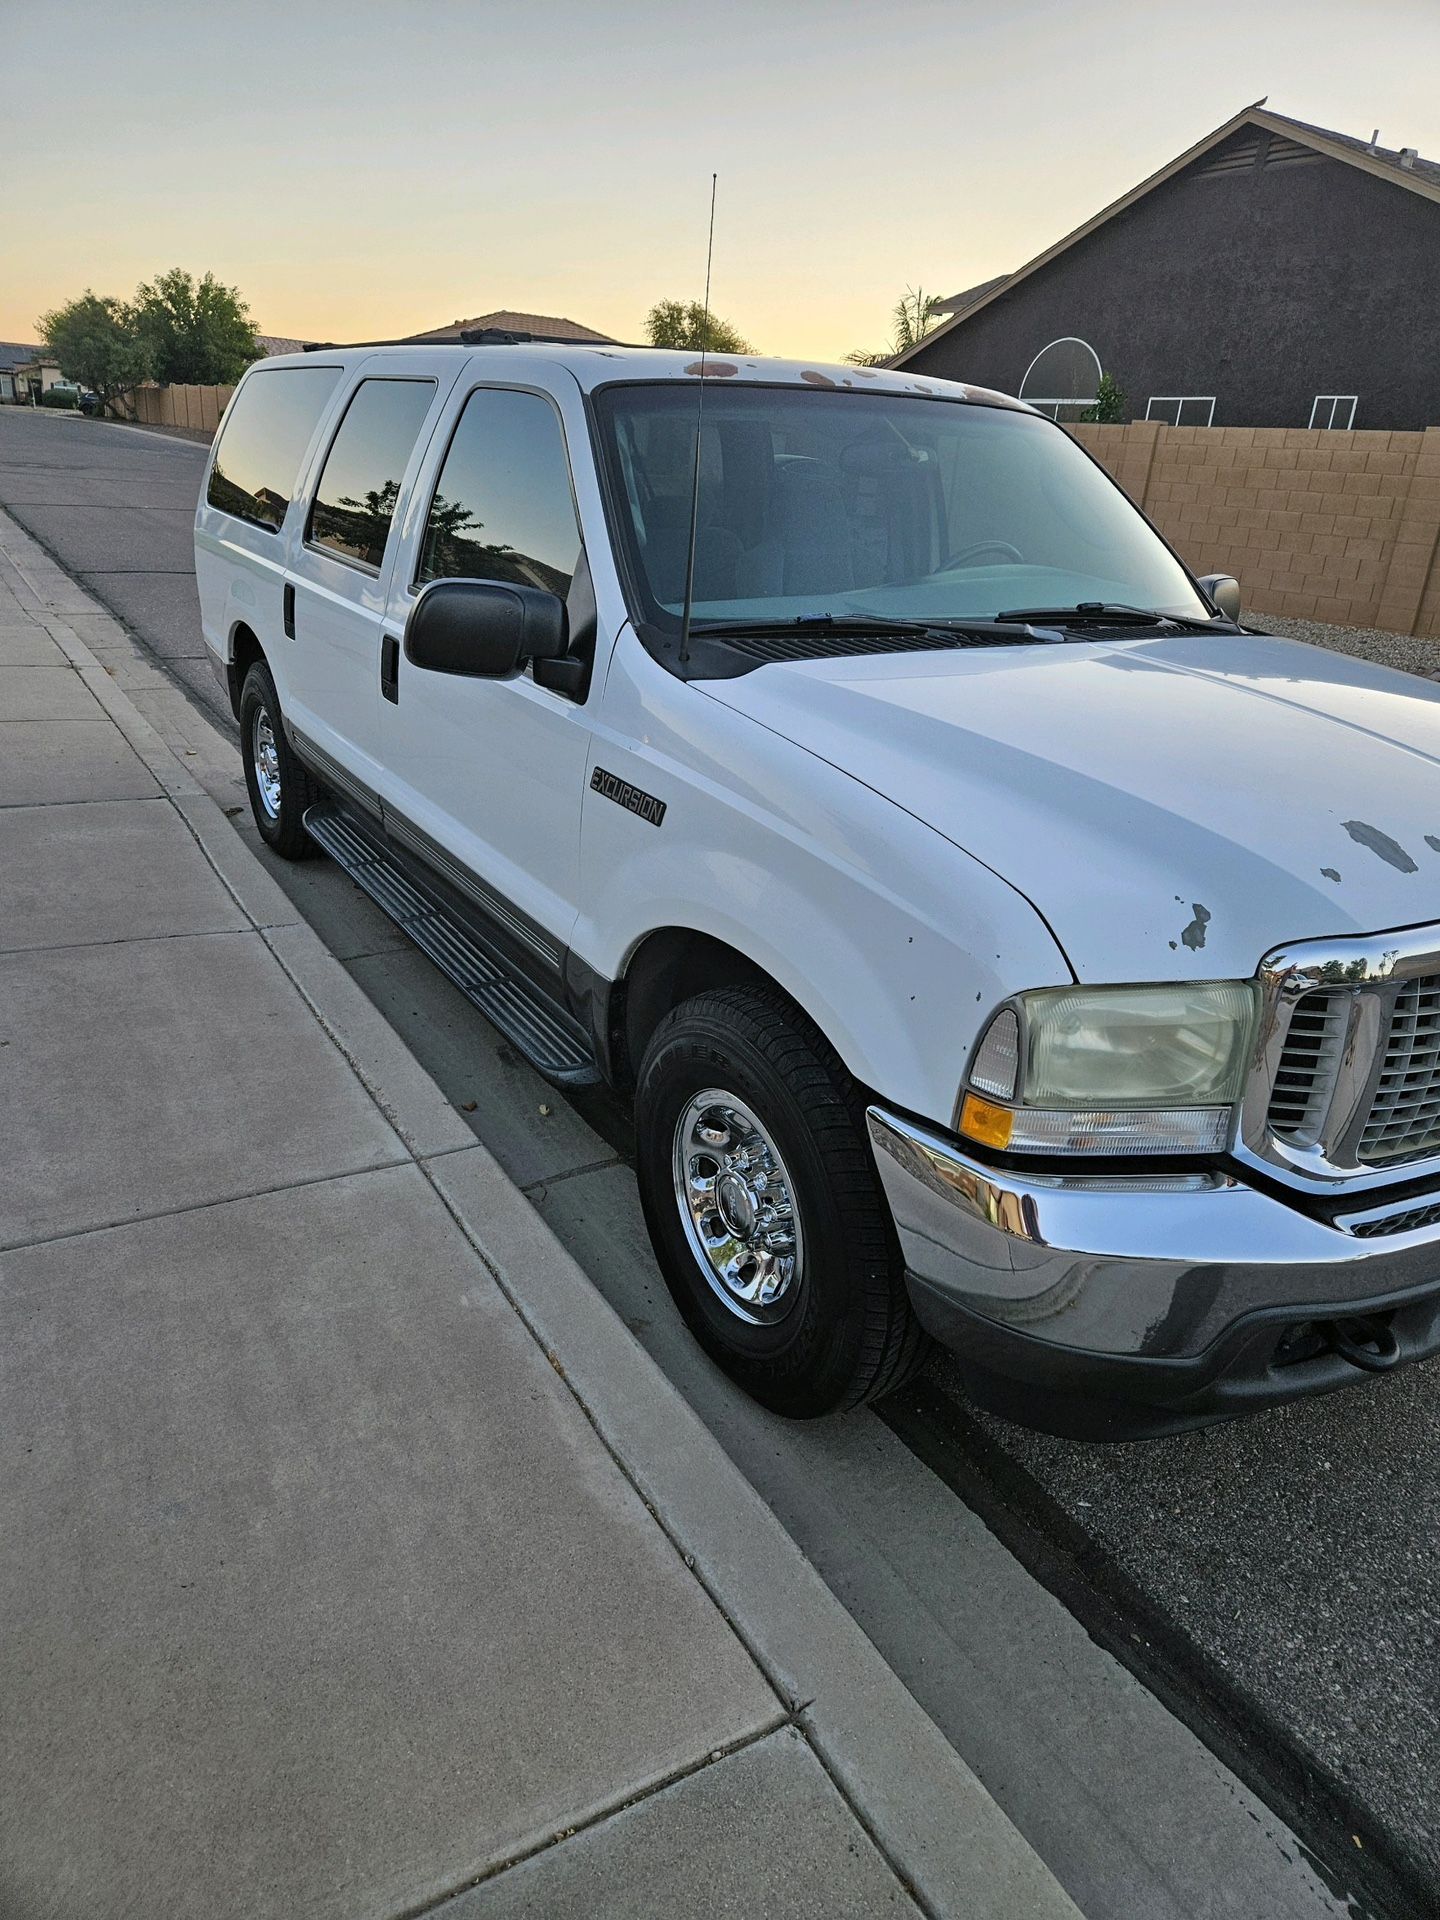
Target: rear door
x=340 y=564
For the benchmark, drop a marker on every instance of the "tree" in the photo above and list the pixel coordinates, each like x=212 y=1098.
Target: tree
x=97 y=343
x=682 y=323
x=198 y=332
x=914 y=314
x=1109 y=405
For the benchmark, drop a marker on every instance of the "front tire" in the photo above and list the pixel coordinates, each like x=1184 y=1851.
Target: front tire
x=765 y=1208
x=280 y=789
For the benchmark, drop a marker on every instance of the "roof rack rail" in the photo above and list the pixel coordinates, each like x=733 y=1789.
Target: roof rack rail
x=468 y=337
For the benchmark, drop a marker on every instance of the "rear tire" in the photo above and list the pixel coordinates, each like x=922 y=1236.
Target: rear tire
x=765 y=1208
x=280 y=789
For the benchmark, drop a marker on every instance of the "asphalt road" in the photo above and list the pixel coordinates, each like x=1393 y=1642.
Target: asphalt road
x=1272 y=1583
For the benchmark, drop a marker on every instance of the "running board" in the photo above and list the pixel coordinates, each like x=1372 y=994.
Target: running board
x=551 y=1039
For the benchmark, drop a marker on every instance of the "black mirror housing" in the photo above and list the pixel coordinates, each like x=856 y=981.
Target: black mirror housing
x=1222 y=590
x=484 y=627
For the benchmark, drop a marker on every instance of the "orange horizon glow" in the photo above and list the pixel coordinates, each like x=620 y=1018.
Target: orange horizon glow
x=388 y=170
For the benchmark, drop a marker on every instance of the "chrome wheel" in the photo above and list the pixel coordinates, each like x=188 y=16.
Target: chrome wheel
x=266 y=757
x=736 y=1202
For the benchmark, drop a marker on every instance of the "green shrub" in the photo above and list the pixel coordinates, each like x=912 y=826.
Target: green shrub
x=1110 y=405
x=65 y=397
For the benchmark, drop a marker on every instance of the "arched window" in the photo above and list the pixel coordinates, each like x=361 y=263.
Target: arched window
x=1062 y=379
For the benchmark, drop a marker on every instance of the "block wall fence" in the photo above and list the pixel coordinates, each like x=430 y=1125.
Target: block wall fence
x=1341 y=527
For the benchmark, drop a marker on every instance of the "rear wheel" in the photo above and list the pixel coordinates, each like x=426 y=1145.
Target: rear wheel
x=280 y=789
x=765 y=1208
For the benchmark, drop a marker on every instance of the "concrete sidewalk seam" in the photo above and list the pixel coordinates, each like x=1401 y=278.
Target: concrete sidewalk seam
x=598 y=1818
x=201 y=1206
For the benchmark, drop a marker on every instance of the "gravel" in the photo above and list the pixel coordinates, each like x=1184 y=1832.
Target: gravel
x=1404 y=650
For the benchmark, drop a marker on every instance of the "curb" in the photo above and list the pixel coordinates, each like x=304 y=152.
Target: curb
x=932 y=1819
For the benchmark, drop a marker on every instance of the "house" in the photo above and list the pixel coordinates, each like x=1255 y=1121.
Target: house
x=544 y=326
x=25 y=370
x=1274 y=275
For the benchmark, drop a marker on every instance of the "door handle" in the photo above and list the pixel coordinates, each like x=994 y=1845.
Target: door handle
x=288 y=610
x=390 y=668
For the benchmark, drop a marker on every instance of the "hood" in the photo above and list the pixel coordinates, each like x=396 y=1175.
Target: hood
x=1174 y=807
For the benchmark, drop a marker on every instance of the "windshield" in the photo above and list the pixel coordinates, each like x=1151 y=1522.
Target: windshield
x=870 y=504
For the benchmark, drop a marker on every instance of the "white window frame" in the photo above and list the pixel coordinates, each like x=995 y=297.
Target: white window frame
x=1047 y=402
x=1181 y=401
x=1333 y=400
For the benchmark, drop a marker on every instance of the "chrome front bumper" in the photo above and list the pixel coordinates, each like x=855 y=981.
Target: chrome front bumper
x=1141 y=1281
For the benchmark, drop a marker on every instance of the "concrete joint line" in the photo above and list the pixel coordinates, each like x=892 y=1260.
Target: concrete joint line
x=205 y=1206
x=597 y=1819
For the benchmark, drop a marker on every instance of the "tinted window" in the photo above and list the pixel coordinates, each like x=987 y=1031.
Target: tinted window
x=503 y=508
x=266 y=433
x=355 y=500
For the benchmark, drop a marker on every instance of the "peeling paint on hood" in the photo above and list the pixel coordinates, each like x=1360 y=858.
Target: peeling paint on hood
x=1107 y=781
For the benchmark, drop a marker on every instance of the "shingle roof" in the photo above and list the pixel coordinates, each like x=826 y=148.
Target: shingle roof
x=272 y=344
x=15 y=353
x=508 y=322
x=1426 y=169
x=958 y=302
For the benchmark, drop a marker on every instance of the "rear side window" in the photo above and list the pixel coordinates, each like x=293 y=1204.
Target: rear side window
x=360 y=482
x=266 y=433
x=503 y=509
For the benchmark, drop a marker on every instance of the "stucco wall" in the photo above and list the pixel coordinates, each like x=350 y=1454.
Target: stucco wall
x=1263 y=286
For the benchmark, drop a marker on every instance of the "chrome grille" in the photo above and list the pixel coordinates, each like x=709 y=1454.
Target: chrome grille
x=1406 y=1222
x=1305 y=1079
x=1404 y=1118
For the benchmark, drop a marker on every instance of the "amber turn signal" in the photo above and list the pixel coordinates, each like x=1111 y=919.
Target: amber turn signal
x=990 y=1125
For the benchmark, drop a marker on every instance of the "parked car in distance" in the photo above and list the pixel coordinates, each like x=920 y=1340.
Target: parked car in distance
x=996 y=940
x=89 y=400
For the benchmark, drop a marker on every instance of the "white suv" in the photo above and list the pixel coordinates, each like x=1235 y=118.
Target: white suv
x=993 y=935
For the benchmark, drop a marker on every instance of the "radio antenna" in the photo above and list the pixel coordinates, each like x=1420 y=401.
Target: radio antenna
x=699 y=422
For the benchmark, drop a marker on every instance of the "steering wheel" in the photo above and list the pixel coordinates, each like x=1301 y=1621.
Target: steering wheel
x=968 y=555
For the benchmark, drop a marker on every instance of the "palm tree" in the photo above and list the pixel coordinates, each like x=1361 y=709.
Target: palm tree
x=915 y=314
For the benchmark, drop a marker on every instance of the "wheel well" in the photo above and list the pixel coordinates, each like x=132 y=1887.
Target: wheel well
x=245 y=651
x=669 y=966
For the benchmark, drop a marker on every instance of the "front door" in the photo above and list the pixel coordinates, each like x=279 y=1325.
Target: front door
x=491 y=773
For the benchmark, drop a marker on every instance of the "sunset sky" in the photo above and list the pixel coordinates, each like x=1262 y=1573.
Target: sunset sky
x=367 y=170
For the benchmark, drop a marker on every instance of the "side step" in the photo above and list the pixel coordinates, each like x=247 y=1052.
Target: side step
x=551 y=1039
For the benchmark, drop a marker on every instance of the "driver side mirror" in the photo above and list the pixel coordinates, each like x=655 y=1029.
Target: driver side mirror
x=1222 y=590
x=481 y=627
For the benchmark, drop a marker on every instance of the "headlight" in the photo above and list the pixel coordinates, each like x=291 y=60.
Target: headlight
x=1117 y=1070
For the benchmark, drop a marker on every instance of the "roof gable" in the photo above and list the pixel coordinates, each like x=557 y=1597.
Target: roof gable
x=552 y=326
x=1382 y=163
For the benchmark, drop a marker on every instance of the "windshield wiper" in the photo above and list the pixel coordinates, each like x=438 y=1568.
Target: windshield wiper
x=850 y=623
x=1109 y=613
x=817 y=623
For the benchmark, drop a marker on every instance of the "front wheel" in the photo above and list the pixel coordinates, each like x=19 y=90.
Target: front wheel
x=280 y=789
x=765 y=1208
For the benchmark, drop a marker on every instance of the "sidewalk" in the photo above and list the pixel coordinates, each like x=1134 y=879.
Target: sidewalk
x=356 y=1557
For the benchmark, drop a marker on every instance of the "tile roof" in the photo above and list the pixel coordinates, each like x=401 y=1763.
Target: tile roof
x=508 y=322
x=15 y=353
